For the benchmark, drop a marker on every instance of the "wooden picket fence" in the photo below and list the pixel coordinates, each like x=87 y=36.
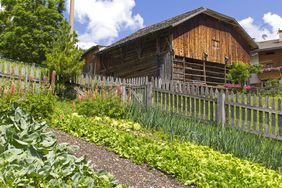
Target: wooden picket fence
x=250 y=113
x=22 y=77
x=90 y=81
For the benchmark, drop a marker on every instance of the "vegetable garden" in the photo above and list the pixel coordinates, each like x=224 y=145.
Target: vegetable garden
x=195 y=153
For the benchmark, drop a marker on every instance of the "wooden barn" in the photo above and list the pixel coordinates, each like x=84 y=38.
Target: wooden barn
x=193 y=47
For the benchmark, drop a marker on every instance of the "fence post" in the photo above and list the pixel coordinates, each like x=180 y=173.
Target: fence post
x=124 y=93
x=220 y=111
x=149 y=96
x=53 y=81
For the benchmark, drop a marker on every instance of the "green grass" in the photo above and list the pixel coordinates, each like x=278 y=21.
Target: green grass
x=241 y=144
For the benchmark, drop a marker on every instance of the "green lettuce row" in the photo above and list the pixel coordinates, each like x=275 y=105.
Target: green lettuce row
x=189 y=163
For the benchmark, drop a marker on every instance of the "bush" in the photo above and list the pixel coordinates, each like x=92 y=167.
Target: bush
x=31 y=157
x=111 y=106
x=272 y=83
x=39 y=106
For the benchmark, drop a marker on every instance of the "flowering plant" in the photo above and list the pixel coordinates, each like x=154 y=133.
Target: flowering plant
x=238 y=86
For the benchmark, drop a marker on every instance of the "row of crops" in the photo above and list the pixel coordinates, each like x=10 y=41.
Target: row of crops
x=189 y=163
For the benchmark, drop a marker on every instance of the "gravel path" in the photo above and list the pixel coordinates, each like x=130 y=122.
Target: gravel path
x=126 y=172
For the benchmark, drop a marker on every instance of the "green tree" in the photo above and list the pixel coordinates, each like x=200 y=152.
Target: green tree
x=65 y=56
x=239 y=72
x=28 y=28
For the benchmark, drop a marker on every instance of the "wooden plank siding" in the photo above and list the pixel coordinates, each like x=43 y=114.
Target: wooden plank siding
x=270 y=59
x=200 y=35
x=206 y=34
x=147 y=56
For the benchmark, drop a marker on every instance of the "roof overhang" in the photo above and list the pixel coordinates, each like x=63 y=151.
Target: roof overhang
x=93 y=48
x=267 y=49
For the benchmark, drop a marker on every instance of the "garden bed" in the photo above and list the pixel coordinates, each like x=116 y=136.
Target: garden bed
x=123 y=169
x=189 y=163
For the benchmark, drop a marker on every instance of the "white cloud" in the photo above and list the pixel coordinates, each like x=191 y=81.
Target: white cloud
x=267 y=31
x=105 y=19
x=86 y=45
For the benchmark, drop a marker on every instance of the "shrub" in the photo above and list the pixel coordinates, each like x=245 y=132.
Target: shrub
x=239 y=72
x=39 y=106
x=111 y=106
x=272 y=83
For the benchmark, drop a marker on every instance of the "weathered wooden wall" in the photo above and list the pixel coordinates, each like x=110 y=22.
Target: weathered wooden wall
x=143 y=57
x=89 y=66
x=271 y=58
x=192 y=70
x=206 y=34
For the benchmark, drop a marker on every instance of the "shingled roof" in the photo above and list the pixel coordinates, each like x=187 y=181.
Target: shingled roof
x=172 y=22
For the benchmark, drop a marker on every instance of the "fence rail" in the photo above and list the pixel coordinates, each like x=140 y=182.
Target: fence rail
x=251 y=113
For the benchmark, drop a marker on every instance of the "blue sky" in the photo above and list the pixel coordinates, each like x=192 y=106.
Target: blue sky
x=104 y=22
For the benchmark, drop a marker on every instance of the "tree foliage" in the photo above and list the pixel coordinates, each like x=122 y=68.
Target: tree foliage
x=239 y=72
x=65 y=57
x=27 y=28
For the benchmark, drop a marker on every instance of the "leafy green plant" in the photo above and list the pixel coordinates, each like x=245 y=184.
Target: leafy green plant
x=189 y=163
x=111 y=106
x=272 y=83
x=31 y=157
x=39 y=106
x=239 y=72
x=65 y=56
x=238 y=143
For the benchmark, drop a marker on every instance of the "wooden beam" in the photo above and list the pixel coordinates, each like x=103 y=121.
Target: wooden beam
x=158 y=48
x=205 y=73
x=169 y=41
x=225 y=73
x=122 y=54
x=138 y=48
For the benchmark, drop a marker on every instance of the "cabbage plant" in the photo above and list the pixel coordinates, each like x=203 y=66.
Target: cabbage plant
x=31 y=157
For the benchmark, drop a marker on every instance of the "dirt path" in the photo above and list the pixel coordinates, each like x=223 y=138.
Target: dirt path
x=126 y=172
